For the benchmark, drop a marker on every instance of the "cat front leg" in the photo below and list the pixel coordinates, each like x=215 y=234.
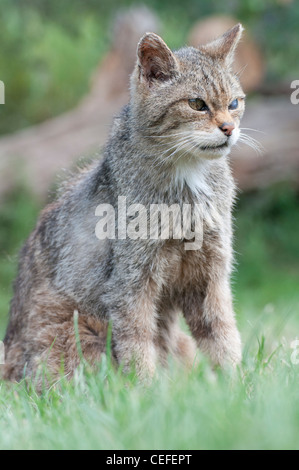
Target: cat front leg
x=134 y=329
x=211 y=319
x=171 y=339
x=220 y=338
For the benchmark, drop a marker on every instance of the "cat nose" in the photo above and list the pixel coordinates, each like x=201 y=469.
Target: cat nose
x=227 y=128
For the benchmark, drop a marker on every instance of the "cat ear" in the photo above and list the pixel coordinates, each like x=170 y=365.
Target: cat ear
x=155 y=59
x=223 y=48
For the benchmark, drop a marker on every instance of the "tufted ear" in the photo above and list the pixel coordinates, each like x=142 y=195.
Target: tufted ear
x=223 y=48
x=155 y=59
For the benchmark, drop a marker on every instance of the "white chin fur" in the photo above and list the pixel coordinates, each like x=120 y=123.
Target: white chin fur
x=194 y=171
x=194 y=174
x=213 y=153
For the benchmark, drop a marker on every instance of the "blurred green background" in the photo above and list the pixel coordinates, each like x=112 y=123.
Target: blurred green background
x=49 y=52
x=48 y=45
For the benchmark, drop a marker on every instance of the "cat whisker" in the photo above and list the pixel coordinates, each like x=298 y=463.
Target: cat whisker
x=169 y=137
x=242 y=69
x=178 y=148
x=251 y=129
x=175 y=146
x=253 y=145
x=179 y=145
x=193 y=144
x=251 y=142
x=250 y=139
x=153 y=136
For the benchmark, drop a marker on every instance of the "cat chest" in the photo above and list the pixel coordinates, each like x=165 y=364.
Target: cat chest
x=176 y=267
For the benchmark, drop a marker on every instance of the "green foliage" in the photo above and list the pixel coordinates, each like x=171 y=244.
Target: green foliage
x=46 y=67
x=49 y=49
x=267 y=272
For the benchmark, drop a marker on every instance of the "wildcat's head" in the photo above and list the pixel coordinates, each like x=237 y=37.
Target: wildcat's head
x=188 y=102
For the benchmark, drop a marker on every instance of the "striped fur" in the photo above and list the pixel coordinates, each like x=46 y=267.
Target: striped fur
x=160 y=151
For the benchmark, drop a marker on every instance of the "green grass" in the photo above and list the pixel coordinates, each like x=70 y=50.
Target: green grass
x=44 y=50
x=257 y=408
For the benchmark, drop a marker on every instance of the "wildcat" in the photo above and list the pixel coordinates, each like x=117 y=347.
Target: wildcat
x=170 y=144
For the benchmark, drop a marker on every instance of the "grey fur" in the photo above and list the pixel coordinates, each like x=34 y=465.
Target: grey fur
x=141 y=285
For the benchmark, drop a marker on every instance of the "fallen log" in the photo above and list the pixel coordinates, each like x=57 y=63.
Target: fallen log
x=249 y=62
x=39 y=154
x=276 y=121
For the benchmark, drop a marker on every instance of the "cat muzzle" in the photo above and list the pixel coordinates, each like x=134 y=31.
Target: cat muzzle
x=227 y=128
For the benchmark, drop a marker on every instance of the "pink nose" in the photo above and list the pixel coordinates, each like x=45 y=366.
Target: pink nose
x=227 y=128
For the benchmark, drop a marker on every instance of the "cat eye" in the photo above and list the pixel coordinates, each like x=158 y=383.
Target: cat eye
x=234 y=104
x=197 y=104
